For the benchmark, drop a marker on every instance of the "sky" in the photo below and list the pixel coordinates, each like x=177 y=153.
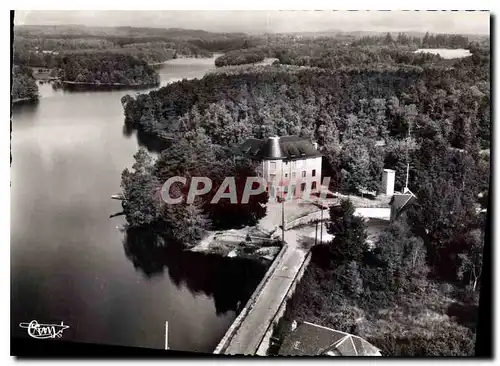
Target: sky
x=259 y=21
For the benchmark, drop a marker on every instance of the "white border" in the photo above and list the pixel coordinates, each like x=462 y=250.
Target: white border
x=258 y=5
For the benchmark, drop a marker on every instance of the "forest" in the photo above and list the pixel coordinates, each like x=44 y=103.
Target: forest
x=106 y=68
x=388 y=295
x=24 y=87
x=185 y=224
x=239 y=57
x=337 y=52
x=370 y=105
x=48 y=52
x=348 y=111
x=114 y=55
x=369 y=101
x=45 y=46
x=450 y=41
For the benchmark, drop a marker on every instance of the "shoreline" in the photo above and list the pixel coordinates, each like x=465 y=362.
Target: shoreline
x=24 y=100
x=234 y=243
x=105 y=84
x=215 y=55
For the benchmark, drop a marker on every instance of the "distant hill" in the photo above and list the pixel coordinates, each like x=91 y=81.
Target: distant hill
x=121 y=31
x=190 y=34
x=358 y=34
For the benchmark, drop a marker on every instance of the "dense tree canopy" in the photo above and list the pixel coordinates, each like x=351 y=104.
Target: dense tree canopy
x=427 y=41
x=382 y=294
x=348 y=111
x=449 y=340
x=107 y=69
x=240 y=57
x=24 y=87
x=45 y=46
x=349 y=236
x=192 y=156
x=370 y=104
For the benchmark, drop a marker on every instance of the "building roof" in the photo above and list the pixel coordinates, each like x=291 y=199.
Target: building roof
x=400 y=201
x=279 y=148
x=309 y=339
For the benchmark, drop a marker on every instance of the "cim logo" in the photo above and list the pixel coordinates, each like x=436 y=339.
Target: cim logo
x=44 y=331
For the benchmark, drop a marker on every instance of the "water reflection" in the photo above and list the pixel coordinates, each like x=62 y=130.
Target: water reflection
x=67 y=257
x=127 y=130
x=229 y=281
x=152 y=142
x=25 y=104
x=100 y=87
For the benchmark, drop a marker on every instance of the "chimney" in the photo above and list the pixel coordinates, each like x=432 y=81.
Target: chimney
x=274 y=149
x=388 y=179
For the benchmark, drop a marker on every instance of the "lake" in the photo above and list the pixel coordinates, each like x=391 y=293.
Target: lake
x=446 y=53
x=70 y=262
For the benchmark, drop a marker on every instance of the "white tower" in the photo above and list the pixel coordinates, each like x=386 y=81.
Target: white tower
x=388 y=179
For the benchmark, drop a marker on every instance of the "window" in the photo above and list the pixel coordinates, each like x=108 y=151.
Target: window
x=272 y=177
x=286 y=175
x=273 y=165
x=313 y=185
x=303 y=174
x=302 y=187
x=314 y=172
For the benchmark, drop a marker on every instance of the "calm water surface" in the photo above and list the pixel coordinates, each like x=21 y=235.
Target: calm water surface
x=69 y=260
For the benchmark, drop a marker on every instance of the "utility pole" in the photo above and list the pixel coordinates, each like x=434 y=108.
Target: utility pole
x=282 y=211
x=282 y=221
x=316 y=234
x=408 y=156
x=166 y=335
x=321 y=223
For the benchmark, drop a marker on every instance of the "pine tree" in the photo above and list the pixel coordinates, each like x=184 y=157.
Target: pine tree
x=349 y=242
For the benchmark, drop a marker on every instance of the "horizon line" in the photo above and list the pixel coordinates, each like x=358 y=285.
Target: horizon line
x=333 y=31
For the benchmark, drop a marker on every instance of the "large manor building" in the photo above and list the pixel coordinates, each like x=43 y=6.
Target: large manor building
x=289 y=164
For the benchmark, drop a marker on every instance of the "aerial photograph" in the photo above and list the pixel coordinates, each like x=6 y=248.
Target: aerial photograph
x=250 y=182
